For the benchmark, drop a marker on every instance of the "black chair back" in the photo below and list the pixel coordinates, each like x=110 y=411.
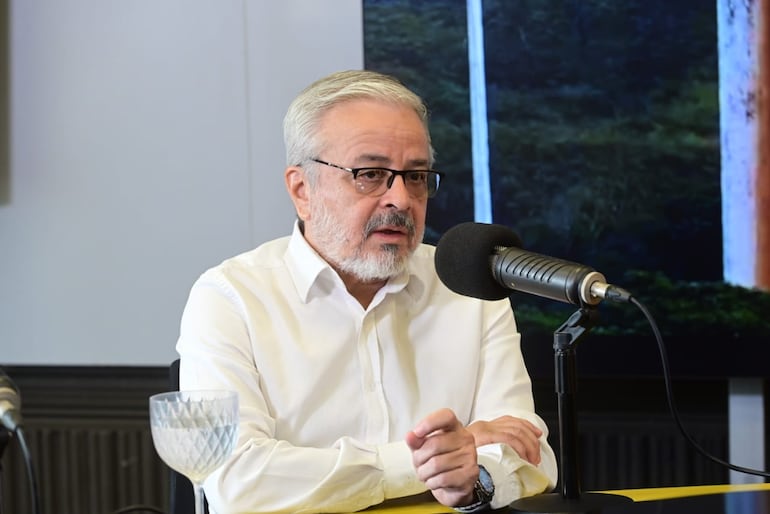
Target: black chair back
x=181 y=489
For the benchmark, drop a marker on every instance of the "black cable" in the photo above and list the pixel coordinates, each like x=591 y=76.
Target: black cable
x=5 y=438
x=30 y=469
x=672 y=404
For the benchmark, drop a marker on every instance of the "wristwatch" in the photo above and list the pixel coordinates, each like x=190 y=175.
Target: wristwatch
x=483 y=492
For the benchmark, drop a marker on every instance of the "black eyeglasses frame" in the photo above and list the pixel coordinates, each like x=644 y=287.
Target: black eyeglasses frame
x=430 y=193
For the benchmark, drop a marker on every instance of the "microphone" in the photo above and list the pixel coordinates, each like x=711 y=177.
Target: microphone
x=10 y=403
x=485 y=261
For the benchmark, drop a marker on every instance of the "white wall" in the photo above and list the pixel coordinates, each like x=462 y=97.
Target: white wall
x=145 y=145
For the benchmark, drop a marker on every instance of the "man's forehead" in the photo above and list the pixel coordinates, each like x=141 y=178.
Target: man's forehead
x=378 y=159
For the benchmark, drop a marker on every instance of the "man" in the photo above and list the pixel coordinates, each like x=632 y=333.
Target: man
x=361 y=377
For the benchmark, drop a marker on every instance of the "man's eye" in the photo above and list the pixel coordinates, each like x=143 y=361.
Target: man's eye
x=373 y=174
x=417 y=176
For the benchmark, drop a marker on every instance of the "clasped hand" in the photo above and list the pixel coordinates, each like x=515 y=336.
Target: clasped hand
x=444 y=451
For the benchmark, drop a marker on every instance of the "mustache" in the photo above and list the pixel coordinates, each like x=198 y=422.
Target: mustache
x=390 y=219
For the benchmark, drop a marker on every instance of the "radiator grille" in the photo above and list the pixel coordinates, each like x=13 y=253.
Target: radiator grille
x=88 y=432
x=86 y=470
x=100 y=469
x=650 y=451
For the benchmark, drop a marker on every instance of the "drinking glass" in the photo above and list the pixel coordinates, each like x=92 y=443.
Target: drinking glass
x=194 y=432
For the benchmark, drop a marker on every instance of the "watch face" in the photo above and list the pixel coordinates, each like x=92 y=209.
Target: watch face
x=484 y=488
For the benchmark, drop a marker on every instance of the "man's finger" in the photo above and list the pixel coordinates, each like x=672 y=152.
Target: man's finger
x=442 y=419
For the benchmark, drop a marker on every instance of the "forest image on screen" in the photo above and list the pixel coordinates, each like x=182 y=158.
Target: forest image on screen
x=603 y=120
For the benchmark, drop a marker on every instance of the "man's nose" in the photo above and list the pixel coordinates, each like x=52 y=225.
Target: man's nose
x=397 y=193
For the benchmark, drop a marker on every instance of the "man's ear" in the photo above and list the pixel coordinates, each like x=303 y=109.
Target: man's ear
x=298 y=189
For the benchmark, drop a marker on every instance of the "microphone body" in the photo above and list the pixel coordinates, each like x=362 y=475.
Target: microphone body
x=10 y=403
x=485 y=261
x=545 y=276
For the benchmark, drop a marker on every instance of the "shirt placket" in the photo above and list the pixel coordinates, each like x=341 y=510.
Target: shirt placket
x=376 y=431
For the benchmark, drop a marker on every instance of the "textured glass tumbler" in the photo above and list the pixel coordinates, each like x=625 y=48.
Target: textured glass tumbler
x=194 y=432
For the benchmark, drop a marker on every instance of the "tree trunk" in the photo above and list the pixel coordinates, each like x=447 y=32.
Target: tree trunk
x=763 y=147
x=744 y=71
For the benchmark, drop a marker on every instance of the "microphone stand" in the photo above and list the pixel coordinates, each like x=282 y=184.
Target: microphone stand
x=571 y=500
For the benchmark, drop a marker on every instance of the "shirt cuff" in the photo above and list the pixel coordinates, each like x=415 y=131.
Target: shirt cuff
x=399 y=476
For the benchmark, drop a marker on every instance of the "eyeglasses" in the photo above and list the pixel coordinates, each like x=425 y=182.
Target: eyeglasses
x=375 y=181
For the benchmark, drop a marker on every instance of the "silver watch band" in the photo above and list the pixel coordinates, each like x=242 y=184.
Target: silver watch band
x=483 y=492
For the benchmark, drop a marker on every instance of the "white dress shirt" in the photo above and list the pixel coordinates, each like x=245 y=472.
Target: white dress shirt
x=329 y=389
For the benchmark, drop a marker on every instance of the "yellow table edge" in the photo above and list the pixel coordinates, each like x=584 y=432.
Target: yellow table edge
x=638 y=495
x=667 y=493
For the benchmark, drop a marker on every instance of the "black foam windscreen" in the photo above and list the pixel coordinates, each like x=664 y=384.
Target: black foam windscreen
x=463 y=258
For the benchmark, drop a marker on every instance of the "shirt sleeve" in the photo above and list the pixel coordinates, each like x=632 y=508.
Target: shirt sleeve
x=513 y=476
x=505 y=388
x=274 y=476
x=263 y=472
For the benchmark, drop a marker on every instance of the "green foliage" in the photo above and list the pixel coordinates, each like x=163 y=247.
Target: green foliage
x=680 y=308
x=689 y=308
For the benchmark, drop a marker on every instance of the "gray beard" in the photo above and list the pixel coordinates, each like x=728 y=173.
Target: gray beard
x=381 y=266
x=371 y=267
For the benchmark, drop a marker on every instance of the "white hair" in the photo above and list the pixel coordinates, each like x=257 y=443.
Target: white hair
x=300 y=125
